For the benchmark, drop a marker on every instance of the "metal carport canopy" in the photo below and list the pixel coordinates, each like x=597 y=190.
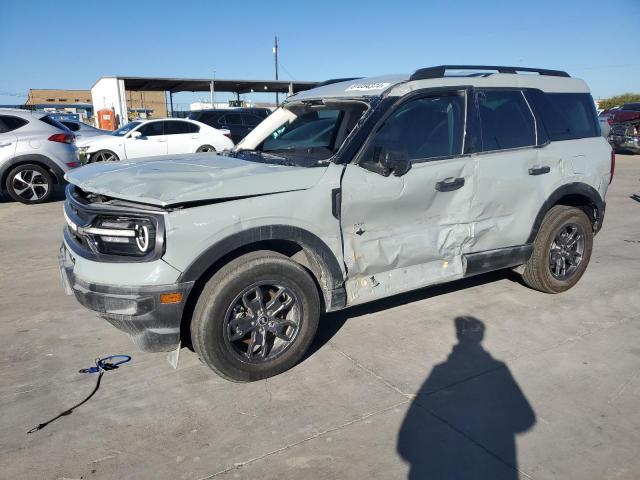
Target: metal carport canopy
x=174 y=85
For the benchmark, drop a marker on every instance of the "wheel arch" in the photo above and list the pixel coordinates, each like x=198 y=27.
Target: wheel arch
x=575 y=194
x=52 y=167
x=300 y=245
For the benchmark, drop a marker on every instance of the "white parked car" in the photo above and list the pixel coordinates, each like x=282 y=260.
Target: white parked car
x=154 y=137
x=35 y=153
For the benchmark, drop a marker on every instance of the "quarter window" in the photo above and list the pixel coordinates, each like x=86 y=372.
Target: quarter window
x=566 y=116
x=428 y=127
x=506 y=120
x=9 y=123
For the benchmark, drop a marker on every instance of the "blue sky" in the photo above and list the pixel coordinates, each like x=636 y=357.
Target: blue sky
x=70 y=44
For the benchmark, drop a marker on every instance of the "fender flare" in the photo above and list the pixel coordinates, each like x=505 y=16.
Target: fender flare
x=332 y=278
x=575 y=188
x=52 y=166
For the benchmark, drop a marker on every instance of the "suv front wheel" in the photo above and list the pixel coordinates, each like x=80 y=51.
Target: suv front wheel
x=256 y=317
x=561 y=251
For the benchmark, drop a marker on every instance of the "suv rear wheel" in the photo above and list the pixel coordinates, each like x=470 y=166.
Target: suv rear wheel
x=561 y=251
x=29 y=184
x=256 y=317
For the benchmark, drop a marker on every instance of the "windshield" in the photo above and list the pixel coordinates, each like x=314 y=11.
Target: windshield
x=122 y=131
x=306 y=135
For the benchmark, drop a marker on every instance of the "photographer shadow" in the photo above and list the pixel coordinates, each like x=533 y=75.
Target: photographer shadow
x=464 y=420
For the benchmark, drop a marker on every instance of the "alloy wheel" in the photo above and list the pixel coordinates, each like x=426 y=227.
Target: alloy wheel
x=567 y=250
x=262 y=322
x=104 y=157
x=30 y=185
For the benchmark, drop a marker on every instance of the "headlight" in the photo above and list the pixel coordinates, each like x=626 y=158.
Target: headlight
x=131 y=236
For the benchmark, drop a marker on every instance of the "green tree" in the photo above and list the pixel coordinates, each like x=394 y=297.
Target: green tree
x=619 y=100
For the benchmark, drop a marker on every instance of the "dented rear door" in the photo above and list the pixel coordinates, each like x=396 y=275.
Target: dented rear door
x=404 y=232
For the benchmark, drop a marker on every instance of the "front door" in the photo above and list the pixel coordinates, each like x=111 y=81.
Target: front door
x=404 y=232
x=150 y=143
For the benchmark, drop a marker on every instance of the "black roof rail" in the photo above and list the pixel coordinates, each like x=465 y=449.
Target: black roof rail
x=337 y=80
x=439 y=71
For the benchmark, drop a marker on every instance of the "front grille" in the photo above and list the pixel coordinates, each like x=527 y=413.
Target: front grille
x=622 y=129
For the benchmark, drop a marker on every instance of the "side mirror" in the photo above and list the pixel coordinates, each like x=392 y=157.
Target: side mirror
x=135 y=135
x=387 y=161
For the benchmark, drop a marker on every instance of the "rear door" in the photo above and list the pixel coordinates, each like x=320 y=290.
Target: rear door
x=152 y=141
x=515 y=176
x=404 y=232
x=8 y=138
x=182 y=137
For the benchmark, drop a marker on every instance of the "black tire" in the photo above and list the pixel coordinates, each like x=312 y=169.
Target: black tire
x=29 y=183
x=206 y=148
x=103 y=156
x=539 y=273
x=219 y=312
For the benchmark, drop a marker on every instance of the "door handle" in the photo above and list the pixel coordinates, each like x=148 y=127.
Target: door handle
x=449 y=184
x=539 y=170
x=161 y=140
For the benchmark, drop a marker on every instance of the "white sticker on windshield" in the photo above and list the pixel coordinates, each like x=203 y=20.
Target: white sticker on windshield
x=367 y=86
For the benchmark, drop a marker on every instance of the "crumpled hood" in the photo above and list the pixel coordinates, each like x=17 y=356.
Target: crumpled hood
x=194 y=177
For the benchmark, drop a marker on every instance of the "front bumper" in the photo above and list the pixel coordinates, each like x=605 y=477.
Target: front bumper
x=152 y=325
x=624 y=142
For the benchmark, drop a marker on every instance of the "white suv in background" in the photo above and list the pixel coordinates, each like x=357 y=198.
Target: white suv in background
x=155 y=137
x=35 y=153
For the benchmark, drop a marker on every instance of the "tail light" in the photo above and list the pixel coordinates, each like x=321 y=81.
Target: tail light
x=613 y=165
x=63 y=138
x=610 y=120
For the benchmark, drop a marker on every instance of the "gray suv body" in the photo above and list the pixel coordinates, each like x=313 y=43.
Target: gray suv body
x=348 y=193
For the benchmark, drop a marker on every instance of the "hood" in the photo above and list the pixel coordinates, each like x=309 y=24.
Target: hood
x=625 y=116
x=195 y=177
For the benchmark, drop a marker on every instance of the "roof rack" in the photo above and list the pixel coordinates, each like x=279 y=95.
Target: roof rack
x=439 y=71
x=337 y=80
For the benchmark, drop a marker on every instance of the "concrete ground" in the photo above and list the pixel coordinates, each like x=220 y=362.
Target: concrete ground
x=540 y=386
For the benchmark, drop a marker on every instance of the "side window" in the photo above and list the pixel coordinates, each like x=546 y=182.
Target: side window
x=173 y=127
x=428 y=127
x=9 y=123
x=231 y=119
x=506 y=120
x=151 y=129
x=566 y=116
x=252 y=120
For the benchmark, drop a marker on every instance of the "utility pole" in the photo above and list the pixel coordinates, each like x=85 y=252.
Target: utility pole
x=275 y=53
x=212 y=90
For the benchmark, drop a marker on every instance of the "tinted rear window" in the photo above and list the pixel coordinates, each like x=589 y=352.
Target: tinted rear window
x=631 y=106
x=54 y=123
x=9 y=123
x=565 y=116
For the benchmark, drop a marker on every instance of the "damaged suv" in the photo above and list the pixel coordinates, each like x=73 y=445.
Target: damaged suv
x=350 y=192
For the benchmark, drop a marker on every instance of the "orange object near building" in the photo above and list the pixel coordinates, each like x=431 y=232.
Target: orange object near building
x=106 y=119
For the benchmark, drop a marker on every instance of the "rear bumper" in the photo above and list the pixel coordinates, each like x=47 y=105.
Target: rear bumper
x=153 y=326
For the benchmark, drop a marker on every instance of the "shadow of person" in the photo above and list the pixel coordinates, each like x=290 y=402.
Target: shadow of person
x=463 y=422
